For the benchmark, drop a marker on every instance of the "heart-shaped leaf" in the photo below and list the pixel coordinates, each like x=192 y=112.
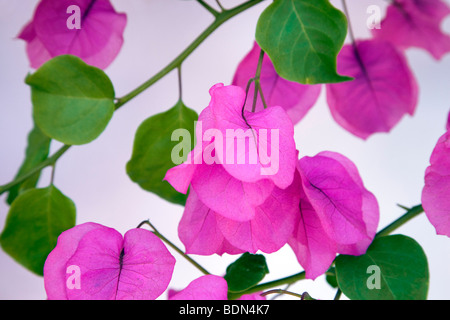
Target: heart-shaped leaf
x=152 y=150
x=303 y=38
x=72 y=101
x=246 y=272
x=393 y=268
x=35 y=220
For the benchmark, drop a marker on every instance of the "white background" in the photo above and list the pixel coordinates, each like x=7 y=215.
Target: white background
x=93 y=176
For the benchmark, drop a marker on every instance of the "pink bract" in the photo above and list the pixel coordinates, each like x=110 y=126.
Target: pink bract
x=209 y=287
x=337 y=213
x=382 y=92
x=416 y=23
x=228 y=182
x=205 y=232
x=297 y=99
x=137 y=266
x=98 y=42
x=435 y=194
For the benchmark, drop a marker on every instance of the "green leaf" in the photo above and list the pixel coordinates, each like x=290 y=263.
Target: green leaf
x=303 y=39
x=246 y=272
x=35 y=220
x=153 y=147
x=393 y=268
x=331 y=277
x=37 y=151
x=72 y=101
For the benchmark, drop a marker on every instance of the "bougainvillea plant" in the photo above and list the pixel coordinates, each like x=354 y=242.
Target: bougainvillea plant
x=236 y=170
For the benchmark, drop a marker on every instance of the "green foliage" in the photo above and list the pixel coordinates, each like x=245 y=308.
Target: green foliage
x=393 y=268
x=152 y=151
x=37 y=151
x=303 y=38
x=35 y=220
x=72 y=101
x=246 y=272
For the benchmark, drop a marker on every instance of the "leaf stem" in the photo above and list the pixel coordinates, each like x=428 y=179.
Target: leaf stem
x=268 y=285
x=50 y=161
x=350 y=29
x=411 y=213
x=173 y=246
x=52 y=178
x=220 y=5
x=213 y=11
x=338 y=294
x=180 y=84
x=258 y=83
x=221 y=18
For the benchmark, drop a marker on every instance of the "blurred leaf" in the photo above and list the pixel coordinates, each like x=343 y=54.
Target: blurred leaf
x=393 y=268
x=246 y=272
x=303 y=39
x=72 y=101
x=35 y=220
x=37 y=151
x=152 y=151
x=331 y=277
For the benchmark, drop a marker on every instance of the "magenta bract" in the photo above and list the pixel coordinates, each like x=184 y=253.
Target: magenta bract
x=416 y=23
x=97 y=42
x=94 y=262
x=382 y=92
x=209 y=287
x=337 y=214
x=436 y=193
x=245 y=156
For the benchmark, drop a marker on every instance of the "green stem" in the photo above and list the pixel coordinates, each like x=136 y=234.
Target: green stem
x=269 y=285
x=221 y=18
x=220 y=5
x=338 y=294
x=180 y=84
x=258 y=83
x=350 y=29
x=52 y=178
x=173 y=246
x=413 y=212
x=49 y=162
x=213 y=11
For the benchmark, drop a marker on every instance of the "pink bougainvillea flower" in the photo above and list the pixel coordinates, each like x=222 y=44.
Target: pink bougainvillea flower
x=294 y=97
x=337 y=213
x=208 y=287
x=272 y=225
x=435 y=194
x=382 y=92
x=231 y=197
x=245 y=156
x=199 y=232
x=205 y=232
x=416 y=23
x=97 y=41
x=313 y=248
x=94 y=262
